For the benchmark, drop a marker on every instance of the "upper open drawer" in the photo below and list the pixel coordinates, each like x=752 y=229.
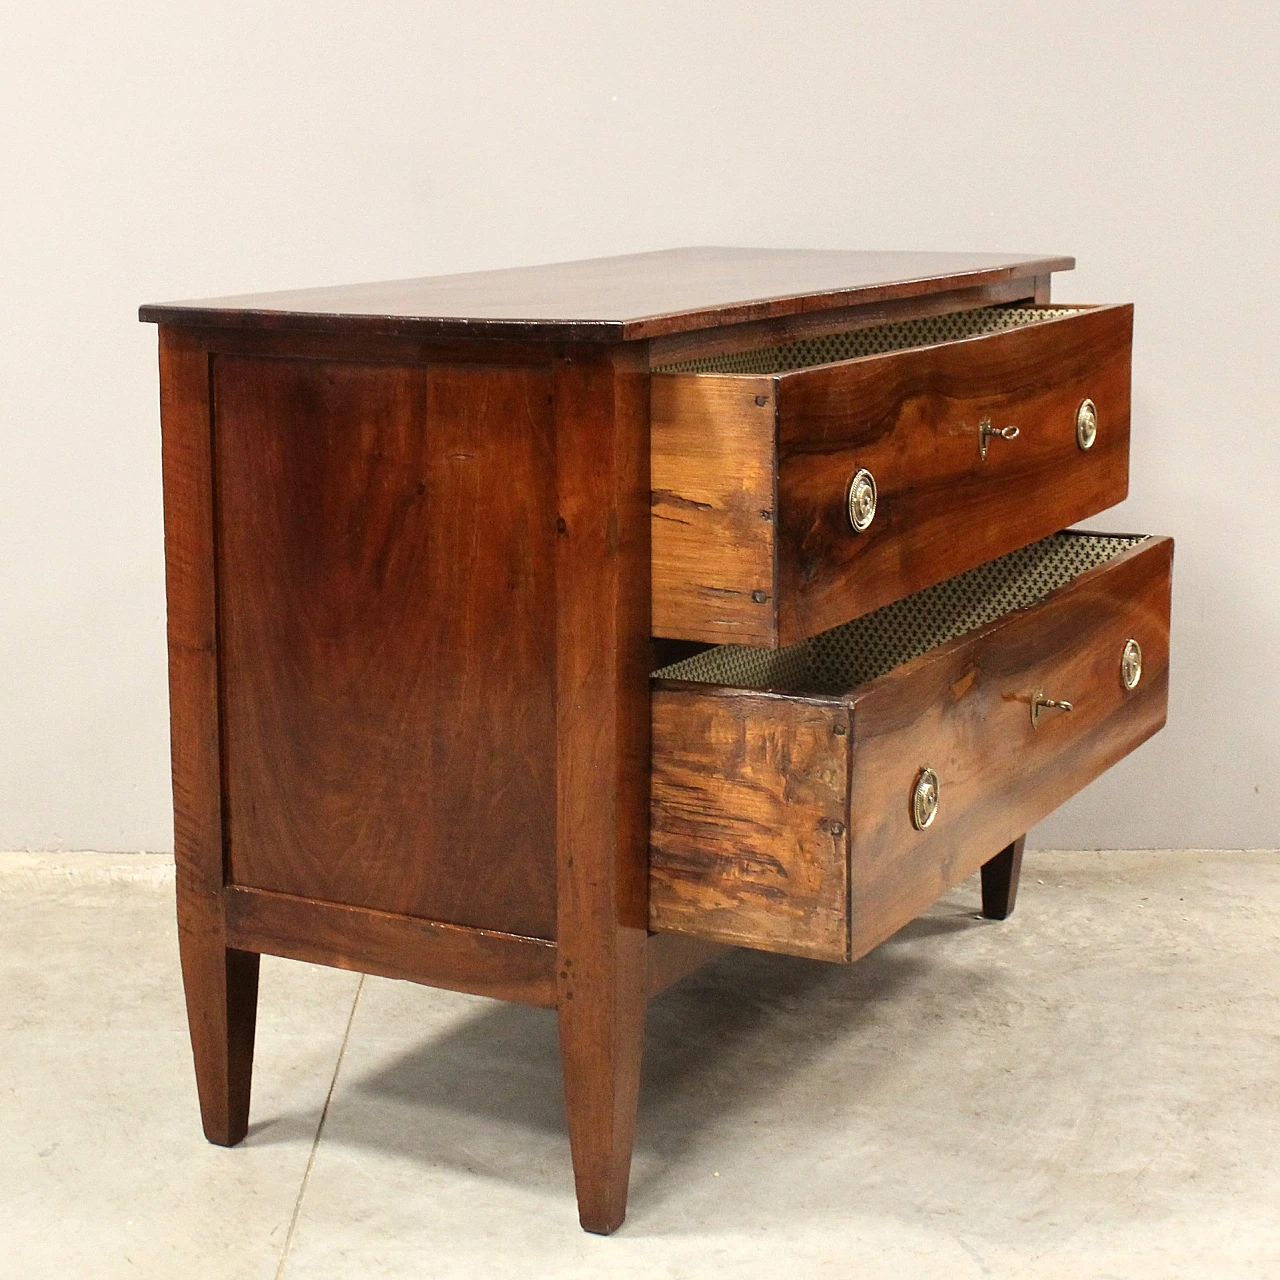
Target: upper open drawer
x=797 y=487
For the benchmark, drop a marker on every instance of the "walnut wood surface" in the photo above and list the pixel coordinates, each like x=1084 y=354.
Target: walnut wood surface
x=911 y=418
x=408 y=563
x=713 y=449
x=672 y=956
x=745 y=792
x=221 y=983
x=397 y=349
x=722 y=572
x=386 y=591
x=965 y=711
x=601 y=758
x=422 y=599
x=1000 y=877
x=768 y=333
x=748 y=835
x=641 y=295
x=477 y=961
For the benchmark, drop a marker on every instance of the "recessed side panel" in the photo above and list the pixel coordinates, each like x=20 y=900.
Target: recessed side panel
x=385 y=543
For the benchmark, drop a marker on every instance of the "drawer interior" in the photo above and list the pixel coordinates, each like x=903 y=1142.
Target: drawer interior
x=804 y=353
x=839 y=660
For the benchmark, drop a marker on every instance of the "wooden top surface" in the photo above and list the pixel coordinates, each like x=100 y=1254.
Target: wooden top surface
x=641 y=295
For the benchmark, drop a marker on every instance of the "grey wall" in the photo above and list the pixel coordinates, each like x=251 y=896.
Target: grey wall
x=168 y=150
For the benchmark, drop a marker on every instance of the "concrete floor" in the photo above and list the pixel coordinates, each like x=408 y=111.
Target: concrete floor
x=1091 y=1089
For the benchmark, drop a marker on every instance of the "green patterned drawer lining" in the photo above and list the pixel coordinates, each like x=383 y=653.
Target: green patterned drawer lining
x=839 y=660
x=831 y=347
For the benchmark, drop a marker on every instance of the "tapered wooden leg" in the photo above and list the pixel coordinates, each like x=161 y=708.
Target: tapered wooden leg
x=602 y=762
x=221 y=985
x=222 y=1004
x=1000 y=881
x=601 y=1038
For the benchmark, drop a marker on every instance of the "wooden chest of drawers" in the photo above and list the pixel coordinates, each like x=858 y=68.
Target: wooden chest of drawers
x=428 y=543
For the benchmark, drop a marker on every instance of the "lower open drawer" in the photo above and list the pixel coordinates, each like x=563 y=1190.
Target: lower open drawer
x=814 y=799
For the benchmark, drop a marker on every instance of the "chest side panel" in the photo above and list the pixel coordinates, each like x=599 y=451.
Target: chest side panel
x=385 y=540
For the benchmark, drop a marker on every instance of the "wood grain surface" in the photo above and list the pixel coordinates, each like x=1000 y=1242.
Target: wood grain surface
x=387 y=619
x=220 y=981
x=748 y=787
x=748 y=835
x=636 y=296
x=673 y=956
x=752 y=542
x=601 y=761
x=477 y=961
x=811 y=324
x=964 y=710
x=911 y=418
x=714 y=460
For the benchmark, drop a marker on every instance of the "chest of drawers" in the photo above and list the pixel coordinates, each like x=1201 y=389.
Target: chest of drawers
x=539 y=633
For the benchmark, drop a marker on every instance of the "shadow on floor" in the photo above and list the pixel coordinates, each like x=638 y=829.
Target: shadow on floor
x=485 y=1095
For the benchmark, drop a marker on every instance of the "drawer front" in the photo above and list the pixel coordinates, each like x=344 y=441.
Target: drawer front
x=832 y=874
x=752 y=541
x=912 y=419
x=965 y=712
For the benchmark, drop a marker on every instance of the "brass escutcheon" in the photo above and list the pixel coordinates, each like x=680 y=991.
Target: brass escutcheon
x=1086 y=424
x=924 y=799
x=986 y=431
x=1040 y=703
x=862 y=500
x=1131 y=664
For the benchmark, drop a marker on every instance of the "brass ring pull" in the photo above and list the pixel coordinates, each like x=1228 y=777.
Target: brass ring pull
x=924 y=799
x=1040 y=703
x=1131 y=664
x=861 y=500
x=1086 y=424
x=986 y=431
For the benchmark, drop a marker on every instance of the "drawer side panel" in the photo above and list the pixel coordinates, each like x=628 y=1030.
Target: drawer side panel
x=712 y=472
x=749 y=826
